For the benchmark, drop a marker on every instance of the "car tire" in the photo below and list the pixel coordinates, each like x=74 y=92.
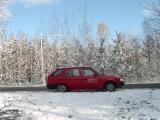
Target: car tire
x=109 y=87
x=62 y=88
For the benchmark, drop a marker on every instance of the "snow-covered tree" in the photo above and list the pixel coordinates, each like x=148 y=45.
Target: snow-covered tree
x=78 y=53
x=149 y=54
x=134 y=59
x=118 y=56
x=151 y=23
x=4 y=13
x=151 y=27
x=65 y=54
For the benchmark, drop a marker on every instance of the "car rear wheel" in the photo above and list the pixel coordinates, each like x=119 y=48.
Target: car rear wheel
x=110 y=87
x=62 y=88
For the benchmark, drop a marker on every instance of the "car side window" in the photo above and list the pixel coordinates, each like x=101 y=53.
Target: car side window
x=87 y=72
x=72 y=72
x=57 y=73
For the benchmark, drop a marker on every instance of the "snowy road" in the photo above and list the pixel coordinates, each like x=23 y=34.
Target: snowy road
x=43 y=88
x=120 y=105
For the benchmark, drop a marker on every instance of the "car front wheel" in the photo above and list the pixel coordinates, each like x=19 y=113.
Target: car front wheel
x=110 y=87
x=62 y=88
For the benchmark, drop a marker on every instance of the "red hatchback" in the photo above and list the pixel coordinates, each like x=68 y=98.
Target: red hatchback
x=82 y=78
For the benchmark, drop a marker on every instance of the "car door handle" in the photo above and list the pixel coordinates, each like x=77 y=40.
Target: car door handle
x=84 y=79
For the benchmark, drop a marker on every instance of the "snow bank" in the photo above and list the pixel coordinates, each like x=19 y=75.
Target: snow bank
x=120 y=105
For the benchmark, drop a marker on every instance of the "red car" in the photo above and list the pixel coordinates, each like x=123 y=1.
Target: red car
x=82 y=78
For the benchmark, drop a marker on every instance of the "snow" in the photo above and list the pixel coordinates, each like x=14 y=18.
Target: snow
x=48 y=105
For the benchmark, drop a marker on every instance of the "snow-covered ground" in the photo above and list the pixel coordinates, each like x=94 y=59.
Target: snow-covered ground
x=48 y=105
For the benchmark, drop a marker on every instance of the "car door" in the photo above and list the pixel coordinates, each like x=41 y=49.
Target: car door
x=89 y=78
x=73 y=79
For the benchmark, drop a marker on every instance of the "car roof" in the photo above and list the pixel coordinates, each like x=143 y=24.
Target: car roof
x=73 y=67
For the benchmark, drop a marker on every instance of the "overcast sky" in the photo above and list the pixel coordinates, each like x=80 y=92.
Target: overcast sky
x=123 y=15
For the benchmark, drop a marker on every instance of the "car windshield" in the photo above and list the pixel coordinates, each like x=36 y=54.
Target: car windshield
x=97 y=71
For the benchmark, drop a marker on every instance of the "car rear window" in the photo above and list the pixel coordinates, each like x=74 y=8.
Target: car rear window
x=58 y=72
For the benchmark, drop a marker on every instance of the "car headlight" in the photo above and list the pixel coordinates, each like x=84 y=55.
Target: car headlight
x=122 y=80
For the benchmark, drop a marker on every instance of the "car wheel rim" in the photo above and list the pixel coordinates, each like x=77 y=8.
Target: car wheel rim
x=62 y=88
x=110 y=87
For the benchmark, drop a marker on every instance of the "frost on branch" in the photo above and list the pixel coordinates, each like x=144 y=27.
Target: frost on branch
x=4 y=12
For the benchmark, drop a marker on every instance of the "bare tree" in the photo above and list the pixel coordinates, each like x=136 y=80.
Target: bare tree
x=102 y=32
x=103 y=35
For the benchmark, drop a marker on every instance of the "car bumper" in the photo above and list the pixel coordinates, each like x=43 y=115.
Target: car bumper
x=51 y=86
x=120 y=85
